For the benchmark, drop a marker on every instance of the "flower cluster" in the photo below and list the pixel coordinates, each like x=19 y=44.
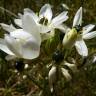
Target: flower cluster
x=25 y=41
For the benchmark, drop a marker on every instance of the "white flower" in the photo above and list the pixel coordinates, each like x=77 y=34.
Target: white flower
x=80 y=37
x=22 y=43
x=44 y=20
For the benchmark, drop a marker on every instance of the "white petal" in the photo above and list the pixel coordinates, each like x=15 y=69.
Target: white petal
x=81 y=47
x=52 y=77
x=89 y=35
x=18 y=22
x=46 y=12
x=73 y=67
x=30 y=49
x=63 y=28
x=4 y=47
x=20 y=15
x=24 y=46
x=29 y=25
x=88 y=28
x=30 y=46
x=60 y=18
x=35 y=17
x=20 y=34
x=24 y=36
x=78 y=18
x=10 y=57
x=13 y=45
x=8 y=28
x=44 y=29
x=66 y=74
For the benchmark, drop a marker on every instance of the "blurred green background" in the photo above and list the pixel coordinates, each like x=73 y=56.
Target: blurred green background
x=83 y=83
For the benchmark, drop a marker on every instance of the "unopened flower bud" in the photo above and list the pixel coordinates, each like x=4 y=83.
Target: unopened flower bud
x=52 y=43
x=70 y=38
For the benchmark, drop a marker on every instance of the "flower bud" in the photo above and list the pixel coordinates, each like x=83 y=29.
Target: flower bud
x=52 y=43
x=70 y=38
x=52 y=77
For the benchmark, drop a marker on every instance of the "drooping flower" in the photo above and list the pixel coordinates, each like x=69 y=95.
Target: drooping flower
x=63 y=68
x=77 y=37
x=22 y=43
x=58 y=66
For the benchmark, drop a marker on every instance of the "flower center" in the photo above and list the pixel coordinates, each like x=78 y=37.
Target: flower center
x=43 y=21
x=78 y=28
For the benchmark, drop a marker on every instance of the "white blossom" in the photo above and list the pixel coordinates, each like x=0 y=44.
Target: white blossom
x=44 y=19
x=23 y=43
x=81 y=36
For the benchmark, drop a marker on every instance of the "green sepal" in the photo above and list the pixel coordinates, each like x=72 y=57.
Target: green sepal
x=52 y=43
